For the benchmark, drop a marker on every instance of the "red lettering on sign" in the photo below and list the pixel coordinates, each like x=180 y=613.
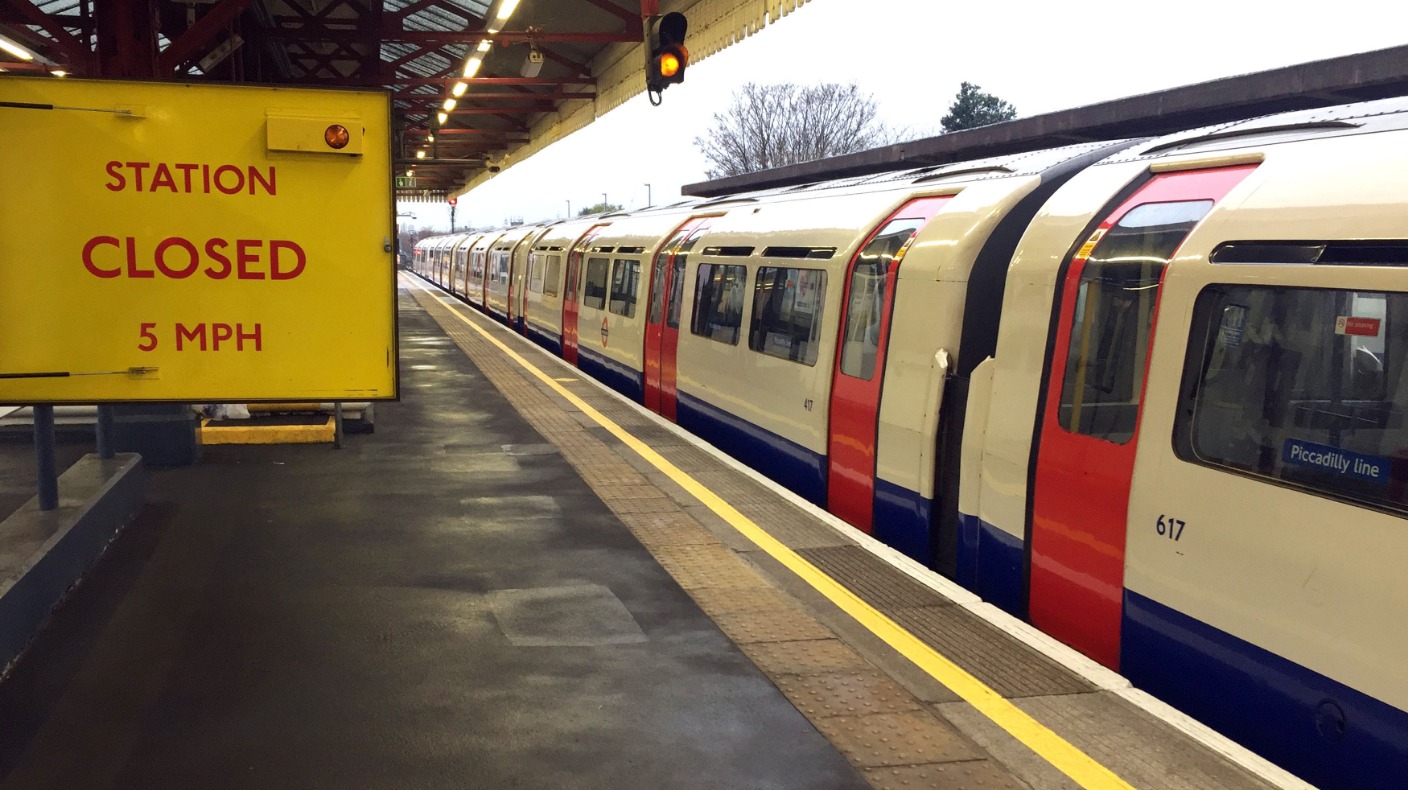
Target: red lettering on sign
x=192 y=258
x=138 y=167
x=243 y=257
x=186 y=169
x=300 y=260
x=162 y=178
x=179 y=258
x=183 y=334
x=132 y=270
x=90 y=265
x=115 y=172
x=268 y=184
x=217 y=256
x=241 y=335
x=220 y=183
x=219 y=333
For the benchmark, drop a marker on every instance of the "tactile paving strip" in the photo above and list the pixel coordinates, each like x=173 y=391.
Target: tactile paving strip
x=965 y=775
x=771 y=625
x=778 y=659
x=906 y=738
x=869 y=577
x=846 y=694
x=708 y=565
x=1005 y=665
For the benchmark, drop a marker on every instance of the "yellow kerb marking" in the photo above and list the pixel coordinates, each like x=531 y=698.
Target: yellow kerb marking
x=1071 y=761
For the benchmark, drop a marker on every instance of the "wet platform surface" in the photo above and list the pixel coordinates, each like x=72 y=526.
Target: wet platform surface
x=442 y=604
x=496 y=589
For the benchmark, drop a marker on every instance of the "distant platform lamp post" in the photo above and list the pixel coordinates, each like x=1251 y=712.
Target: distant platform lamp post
x=569 y=209
x=648 y=201
x=604 y=204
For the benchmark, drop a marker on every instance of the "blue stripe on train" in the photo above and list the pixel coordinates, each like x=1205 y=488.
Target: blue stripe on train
x=551 y=340
x=1322 y=730
x=792 y=465
x=617 y=375
x=902 y=520
x=990 y=564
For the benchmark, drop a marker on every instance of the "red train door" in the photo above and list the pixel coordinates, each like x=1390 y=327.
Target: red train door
x=662 y=325
x=1090 y=422
x=570 y=292
x=860 y=362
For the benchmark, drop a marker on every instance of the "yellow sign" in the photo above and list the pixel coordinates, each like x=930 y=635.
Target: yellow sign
x=199 y=243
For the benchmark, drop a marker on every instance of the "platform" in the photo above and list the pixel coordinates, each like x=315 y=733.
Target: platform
x=520 y=580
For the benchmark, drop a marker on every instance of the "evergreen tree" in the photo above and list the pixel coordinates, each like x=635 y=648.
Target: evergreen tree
x=599 y=208
x=972 y=108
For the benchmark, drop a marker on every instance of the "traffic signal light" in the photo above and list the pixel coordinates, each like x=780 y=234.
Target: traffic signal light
x=668 y=56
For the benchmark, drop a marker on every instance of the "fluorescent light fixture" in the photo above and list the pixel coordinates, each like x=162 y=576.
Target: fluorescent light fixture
x=420 y=154
x=449 y=105
x=484 y=45
x=15 y=49
x=59 y=73
x=442 y=118
x=459 y=89
x=471 y=66
x=506 y=9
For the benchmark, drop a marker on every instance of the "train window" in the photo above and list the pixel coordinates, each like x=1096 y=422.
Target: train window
x=718 y=301
x=552 y=274
x=787 y=313
x=1114 y=314
x=657 y=291
x=594 y=293
x=865 y=308
x=537 y=263
x=677 y=278
x=625 y=276
x=1301 y=385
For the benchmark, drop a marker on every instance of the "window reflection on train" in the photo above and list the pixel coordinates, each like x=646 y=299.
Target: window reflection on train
x=1304 y=386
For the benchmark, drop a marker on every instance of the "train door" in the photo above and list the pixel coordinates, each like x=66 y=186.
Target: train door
x=1090 y=421
x=860 y=362
x=518 y=282
x=662 y=326
x=571 y=292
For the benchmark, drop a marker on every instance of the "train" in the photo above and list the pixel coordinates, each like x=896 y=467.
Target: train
x=1150 y=395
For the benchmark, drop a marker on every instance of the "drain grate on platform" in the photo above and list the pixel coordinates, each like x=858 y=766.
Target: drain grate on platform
x=587 y=615
x=874 y=580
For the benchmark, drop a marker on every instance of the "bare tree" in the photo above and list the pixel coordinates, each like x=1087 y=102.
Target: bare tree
x=778 y=125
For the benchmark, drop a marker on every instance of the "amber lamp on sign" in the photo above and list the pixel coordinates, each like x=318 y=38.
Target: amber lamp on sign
x=336 y=136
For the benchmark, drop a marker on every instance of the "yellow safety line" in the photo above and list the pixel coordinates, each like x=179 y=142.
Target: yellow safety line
x=1071 y=761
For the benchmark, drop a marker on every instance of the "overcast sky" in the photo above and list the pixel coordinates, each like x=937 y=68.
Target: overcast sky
x=912 y=55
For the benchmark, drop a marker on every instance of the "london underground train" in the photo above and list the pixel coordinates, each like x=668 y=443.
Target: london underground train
x=1150 y=395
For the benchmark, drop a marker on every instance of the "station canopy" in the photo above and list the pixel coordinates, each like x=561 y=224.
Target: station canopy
x=540 y=69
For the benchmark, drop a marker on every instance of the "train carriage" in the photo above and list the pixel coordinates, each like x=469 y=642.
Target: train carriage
x=614 y=269
x=1209 y=332
x=545 y=297
x=499 y=268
